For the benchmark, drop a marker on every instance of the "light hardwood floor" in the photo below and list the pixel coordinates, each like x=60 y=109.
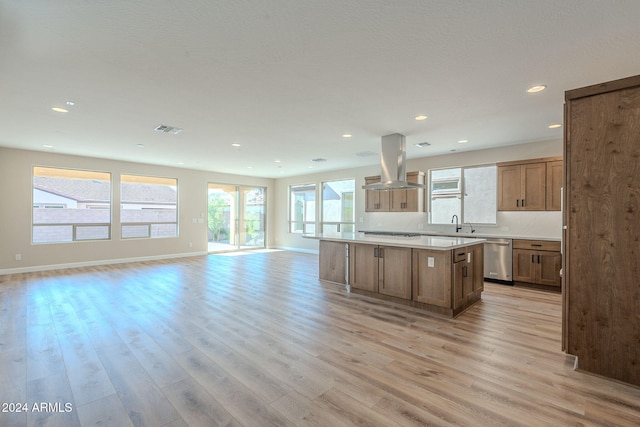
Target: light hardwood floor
x=258 y=340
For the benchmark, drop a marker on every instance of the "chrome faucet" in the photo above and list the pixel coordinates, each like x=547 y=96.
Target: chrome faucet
x=473 y=230
x=458 y=228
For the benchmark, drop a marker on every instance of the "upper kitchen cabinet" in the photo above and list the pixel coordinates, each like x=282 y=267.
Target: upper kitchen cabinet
x=527 y=185
x=601 y=257
x=554 y=185
x=411 y=200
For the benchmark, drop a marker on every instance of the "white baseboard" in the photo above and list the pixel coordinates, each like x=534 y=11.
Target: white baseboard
x=307 y=251
x=96 y=262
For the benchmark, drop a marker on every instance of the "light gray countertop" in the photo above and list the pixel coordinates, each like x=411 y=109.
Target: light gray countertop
x=419 y=242
x=478 y=235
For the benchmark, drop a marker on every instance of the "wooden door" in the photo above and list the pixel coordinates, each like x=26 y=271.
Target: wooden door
x=554 y=185
x=533 y=176
x=432 y=277
x=363 y=266
x=524 y=265
x=333 y=261
x=602 y=249
x=478 y=268
x=509 y=188
x=375 y=201
x=548 y=270
x=398 y=200
x=394 y=271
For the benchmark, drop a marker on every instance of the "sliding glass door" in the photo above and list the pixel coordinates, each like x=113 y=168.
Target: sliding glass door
x=236 y=217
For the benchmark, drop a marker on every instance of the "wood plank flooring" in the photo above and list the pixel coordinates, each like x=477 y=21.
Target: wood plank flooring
x=258 y=340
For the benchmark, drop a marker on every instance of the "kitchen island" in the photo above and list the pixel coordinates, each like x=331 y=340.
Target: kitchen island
x=436 y=273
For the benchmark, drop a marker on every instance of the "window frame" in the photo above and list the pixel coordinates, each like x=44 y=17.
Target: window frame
x=84 y=174
x=461 y=191
x=303 y=222
x=342 y=222
x=149 y=224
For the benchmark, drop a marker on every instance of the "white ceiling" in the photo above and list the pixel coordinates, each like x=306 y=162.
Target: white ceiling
x=286 y=78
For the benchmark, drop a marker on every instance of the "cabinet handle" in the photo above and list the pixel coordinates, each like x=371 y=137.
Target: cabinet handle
x=538 y=259
x=536 y=244
x=523 y=203
x=532 y=256
x=517 y=203
x=464 y=271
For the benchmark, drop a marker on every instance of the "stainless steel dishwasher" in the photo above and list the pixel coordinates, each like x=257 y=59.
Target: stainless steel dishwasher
x=498 y=260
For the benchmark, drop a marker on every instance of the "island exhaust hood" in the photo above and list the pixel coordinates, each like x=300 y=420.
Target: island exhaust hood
x=393 y=166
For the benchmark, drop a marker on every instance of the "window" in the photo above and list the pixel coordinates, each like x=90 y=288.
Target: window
x=302 y=208
x=70 y=205
x=148 y=206
x=468 y=192
x=337 y=206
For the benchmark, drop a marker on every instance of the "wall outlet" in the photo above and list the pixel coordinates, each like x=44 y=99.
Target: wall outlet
x=361 y=220
x=190 y=244
x=18 y=257
x=431 y=261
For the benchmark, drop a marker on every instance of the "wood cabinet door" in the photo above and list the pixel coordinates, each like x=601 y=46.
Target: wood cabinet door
x=363 y=267
x=398 y=200
x=333 y=261
x=478 y=268
x=554 y=185
x=458 y=284
x=375 y=201
x=432 y=277
x=534 y=177
x=524 y=265
x=394 y=271
x=509 y=188
x=549 y=268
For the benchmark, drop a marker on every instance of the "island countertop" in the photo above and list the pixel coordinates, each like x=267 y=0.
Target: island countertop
x=419 y=242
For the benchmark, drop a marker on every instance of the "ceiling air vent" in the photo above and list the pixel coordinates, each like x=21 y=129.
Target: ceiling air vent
x=319 y=160
x=423 y=144
x=168 y=129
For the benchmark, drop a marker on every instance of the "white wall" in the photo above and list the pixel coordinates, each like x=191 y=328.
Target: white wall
x=15 y=213
x=523 y=224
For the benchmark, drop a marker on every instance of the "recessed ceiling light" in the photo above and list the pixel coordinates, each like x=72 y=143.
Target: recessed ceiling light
x=181 y=163
x=70 y=103
x=555 y=126
x=47 y=146
x=423 y=144
x=453 y=149
x=421 y=117
x=60 y=110
x=277 y=161
x=249 y=167
x=346 y=135
x=235 y=144
x=537 y=88
x=462 y=141
x=140 y=145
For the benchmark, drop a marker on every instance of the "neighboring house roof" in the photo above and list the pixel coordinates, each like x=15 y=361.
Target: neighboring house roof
x=83 y=190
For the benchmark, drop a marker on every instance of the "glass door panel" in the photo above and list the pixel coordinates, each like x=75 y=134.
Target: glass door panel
x=221 y=233
x=236 y=217
x=252 y=217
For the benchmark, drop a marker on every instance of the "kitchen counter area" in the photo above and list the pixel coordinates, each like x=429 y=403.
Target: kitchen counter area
x=400 y=239
x=440 y=274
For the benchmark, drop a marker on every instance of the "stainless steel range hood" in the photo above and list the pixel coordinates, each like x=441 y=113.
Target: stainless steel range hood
x=393 y=166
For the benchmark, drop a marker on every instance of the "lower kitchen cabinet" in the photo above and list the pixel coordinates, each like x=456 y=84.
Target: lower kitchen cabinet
x=451 y=280
x=468 y=277
x=537 y=262
x=333 y=261
x=432 y=277
x=381 y=269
